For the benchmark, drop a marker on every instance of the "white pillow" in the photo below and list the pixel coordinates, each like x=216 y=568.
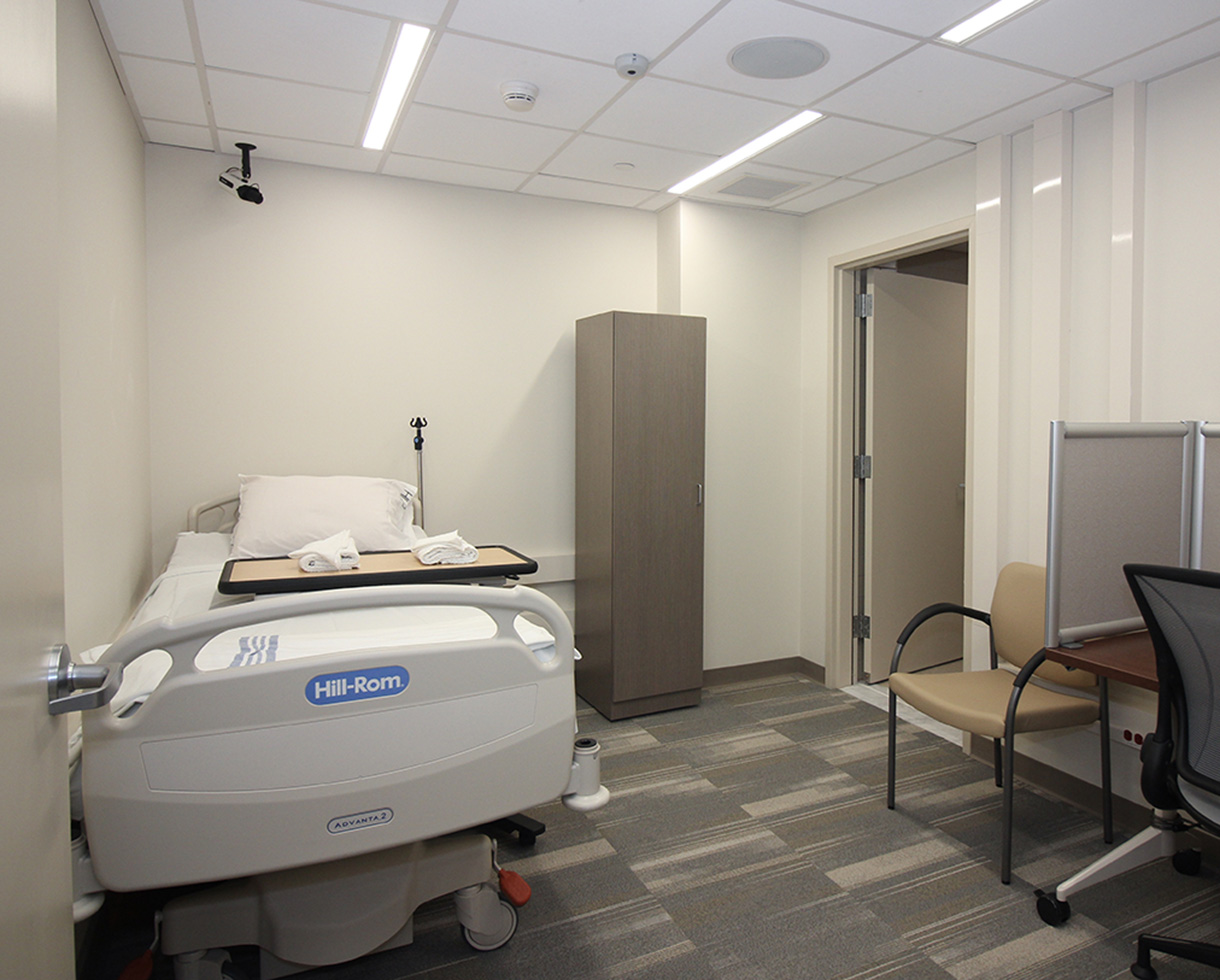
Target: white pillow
x=279 y=514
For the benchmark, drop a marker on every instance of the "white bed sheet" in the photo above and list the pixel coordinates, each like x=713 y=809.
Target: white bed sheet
x=187 y=587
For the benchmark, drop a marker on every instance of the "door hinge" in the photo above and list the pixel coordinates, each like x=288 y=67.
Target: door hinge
x=864 y=304
x=860 y=627
x=862 y=467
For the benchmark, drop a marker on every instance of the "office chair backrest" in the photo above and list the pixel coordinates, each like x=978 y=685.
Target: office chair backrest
x=1018 y=622
x=1181 y=607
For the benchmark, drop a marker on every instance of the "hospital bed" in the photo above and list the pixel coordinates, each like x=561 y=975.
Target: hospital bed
x=310 y=758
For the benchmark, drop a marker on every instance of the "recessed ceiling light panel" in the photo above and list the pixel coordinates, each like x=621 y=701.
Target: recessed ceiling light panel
x=777 y=57
x=985 y=18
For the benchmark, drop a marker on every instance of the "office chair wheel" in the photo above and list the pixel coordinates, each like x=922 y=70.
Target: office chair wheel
x=1052 y=910
x=485 y=941
x=1188 y=861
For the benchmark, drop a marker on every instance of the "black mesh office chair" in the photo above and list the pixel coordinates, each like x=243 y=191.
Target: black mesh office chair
x=1181 y=760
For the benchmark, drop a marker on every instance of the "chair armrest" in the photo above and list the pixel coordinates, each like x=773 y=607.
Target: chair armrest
x=921 y=617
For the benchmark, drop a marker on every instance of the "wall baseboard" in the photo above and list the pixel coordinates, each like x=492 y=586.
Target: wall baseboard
x=765 y=668
x=1129 y=817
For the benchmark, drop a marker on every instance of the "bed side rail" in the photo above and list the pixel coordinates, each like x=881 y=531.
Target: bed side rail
x=220 y=514
x=217 y=514
x=183 y=639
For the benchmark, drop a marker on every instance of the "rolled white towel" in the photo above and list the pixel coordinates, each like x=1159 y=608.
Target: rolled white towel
x=334 y=554
x=445 y=549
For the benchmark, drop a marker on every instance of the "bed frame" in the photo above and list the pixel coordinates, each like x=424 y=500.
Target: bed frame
x=329 y=781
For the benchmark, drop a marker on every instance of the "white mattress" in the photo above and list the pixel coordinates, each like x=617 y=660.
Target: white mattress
x=188 y=588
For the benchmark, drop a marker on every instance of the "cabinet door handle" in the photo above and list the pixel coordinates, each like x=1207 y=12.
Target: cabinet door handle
x=698 y=494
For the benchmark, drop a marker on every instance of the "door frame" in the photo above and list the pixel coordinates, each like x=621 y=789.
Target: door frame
x=840 y=650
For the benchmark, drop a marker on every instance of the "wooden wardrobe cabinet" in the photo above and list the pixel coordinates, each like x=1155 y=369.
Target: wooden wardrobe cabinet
x=639 y=511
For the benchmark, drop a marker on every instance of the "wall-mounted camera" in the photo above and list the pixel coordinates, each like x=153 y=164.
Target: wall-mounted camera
x=631 y=65
x=237 y=179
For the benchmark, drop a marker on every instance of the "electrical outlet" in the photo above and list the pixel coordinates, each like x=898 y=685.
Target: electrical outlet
x=1126 y=736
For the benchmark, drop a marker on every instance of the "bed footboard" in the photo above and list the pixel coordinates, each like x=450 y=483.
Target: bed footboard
x=228 y=773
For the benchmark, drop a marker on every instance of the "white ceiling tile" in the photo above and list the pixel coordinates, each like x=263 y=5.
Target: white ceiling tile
x=294 y=77
x=1195 y=46
x=832 y=193
x=442 y=172
x=466 y=73
x=934 y=89
x=156 y=28
x=837 y=147
x=595 y=158
x=598 y=31
x=658 y=202
x=178 y=134
x=684 y=117
x=584 y=190
x=1018 y=117
x=444 y=134
x=912 y=161
x=927 y=18
x=294 y=40
x=853 y=49
x=165 y=90
x=1076 y=37
x=268 y=106
x=426 y=12
x=299 y=151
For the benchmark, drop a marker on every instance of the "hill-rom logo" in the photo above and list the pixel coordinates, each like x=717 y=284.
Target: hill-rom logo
x=359 y=821
x=357 y=685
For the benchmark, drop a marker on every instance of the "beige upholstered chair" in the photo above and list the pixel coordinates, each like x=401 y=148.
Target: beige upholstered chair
x=997 y=703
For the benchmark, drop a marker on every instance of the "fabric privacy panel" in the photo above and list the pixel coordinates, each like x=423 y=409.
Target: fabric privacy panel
x=1119 y=492
x=1206 y=538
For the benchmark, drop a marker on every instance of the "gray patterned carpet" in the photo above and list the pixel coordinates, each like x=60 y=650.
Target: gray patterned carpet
x=748 y=839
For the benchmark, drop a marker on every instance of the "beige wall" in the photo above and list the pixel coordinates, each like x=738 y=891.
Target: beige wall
x=103 y=338
x=741 y=269
x=302 y=334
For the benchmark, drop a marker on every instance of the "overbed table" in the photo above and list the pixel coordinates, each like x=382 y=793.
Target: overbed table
x=266 y=576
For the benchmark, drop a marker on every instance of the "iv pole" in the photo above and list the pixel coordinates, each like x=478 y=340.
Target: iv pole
x=419 y=423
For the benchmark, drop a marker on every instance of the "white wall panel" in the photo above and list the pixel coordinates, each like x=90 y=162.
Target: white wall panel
x=1088 y=362
x=1181 y=343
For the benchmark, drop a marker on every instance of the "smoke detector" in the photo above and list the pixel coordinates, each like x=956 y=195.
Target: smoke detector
x=519 y=96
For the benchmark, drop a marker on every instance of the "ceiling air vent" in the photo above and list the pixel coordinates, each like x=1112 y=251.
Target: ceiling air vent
x=759 y=188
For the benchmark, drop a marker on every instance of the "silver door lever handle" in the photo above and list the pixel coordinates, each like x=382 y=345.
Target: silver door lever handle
x=74 y=687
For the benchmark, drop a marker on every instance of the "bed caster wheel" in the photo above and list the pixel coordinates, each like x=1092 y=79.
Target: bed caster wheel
x=486 y=941
x=1052 y=910
x=1188 y=861
x=209 y=964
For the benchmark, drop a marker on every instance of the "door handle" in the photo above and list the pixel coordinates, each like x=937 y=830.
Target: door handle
x=75 y=687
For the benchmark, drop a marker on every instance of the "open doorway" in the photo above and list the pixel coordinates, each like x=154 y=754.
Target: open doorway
x=908 y=456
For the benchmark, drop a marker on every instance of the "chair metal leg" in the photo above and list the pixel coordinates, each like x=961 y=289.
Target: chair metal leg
x=1107 y=800
x=1006 y=854
x=999 y=773
x=889 y=787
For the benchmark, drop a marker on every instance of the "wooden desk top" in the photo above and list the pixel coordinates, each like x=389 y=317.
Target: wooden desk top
x=267 y=576
x=1127 y=658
